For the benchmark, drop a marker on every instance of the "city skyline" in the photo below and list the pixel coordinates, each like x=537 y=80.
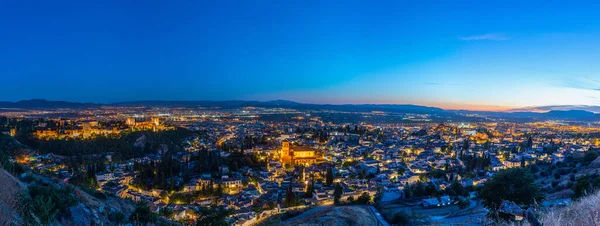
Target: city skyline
x=459 y=55
x=255 y=113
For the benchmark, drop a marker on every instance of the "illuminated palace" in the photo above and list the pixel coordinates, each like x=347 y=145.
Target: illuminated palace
x=154 y=124
x=297 y=155
x=88 y=128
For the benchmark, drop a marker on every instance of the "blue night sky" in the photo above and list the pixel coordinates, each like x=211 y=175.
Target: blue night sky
x=452 y=54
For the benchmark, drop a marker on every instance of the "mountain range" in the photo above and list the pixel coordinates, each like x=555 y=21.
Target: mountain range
x=46 y=104
x=590 y=108
x=541 y=112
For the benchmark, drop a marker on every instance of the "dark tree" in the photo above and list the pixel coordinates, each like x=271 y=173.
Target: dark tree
x=463 y=204
x=166 y=212
x=364 y=198
x=116 y=217
x=458 y=189
x=401 y=171
x=400 y=218
x=515 y=184
x=329 y=177
x=310 y=189
x=142 y=215
x=337 y=193
x=214 y=216
x=590 y=156
x=585 y=185
x=290 y=197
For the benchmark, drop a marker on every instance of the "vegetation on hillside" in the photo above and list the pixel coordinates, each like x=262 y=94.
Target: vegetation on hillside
x=48 y=203
x=585 y=211
x=514 y=184
x=9 y=198
x=123 y=145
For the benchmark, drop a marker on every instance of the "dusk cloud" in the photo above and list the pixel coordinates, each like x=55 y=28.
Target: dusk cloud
x=489 y=36
x=583 y=83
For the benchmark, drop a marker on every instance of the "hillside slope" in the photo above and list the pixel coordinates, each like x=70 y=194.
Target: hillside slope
x=585 y=211
x=10 y=189
x=335 y=215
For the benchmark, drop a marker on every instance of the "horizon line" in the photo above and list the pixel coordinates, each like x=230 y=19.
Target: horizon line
x=443 y=106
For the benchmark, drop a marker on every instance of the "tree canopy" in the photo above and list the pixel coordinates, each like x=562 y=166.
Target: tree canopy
x=142 y=214
x=214 y=216
x=515 y=184
x=337 y=194
x=329 y=177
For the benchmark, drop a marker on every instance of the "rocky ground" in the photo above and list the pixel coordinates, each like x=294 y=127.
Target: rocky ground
x=10 y=188
x=335 y=216
x=88 y=209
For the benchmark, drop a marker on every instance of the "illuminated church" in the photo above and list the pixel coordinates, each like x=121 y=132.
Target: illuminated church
x=297 y=155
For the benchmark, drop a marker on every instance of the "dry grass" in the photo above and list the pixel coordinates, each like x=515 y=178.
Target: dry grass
x=9 y=198
x=583 y=212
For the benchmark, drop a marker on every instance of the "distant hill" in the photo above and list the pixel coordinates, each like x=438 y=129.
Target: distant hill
x=46 y=104
x=282 y=103
x=287 y=104
x=590 y=108
x=191 y=104
x=406 y=108
x=584 y=113
x=580 y=115
x=570 y=114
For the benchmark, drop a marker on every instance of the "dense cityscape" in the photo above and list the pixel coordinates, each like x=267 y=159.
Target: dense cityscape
x=281 y=165
x=299 y=113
